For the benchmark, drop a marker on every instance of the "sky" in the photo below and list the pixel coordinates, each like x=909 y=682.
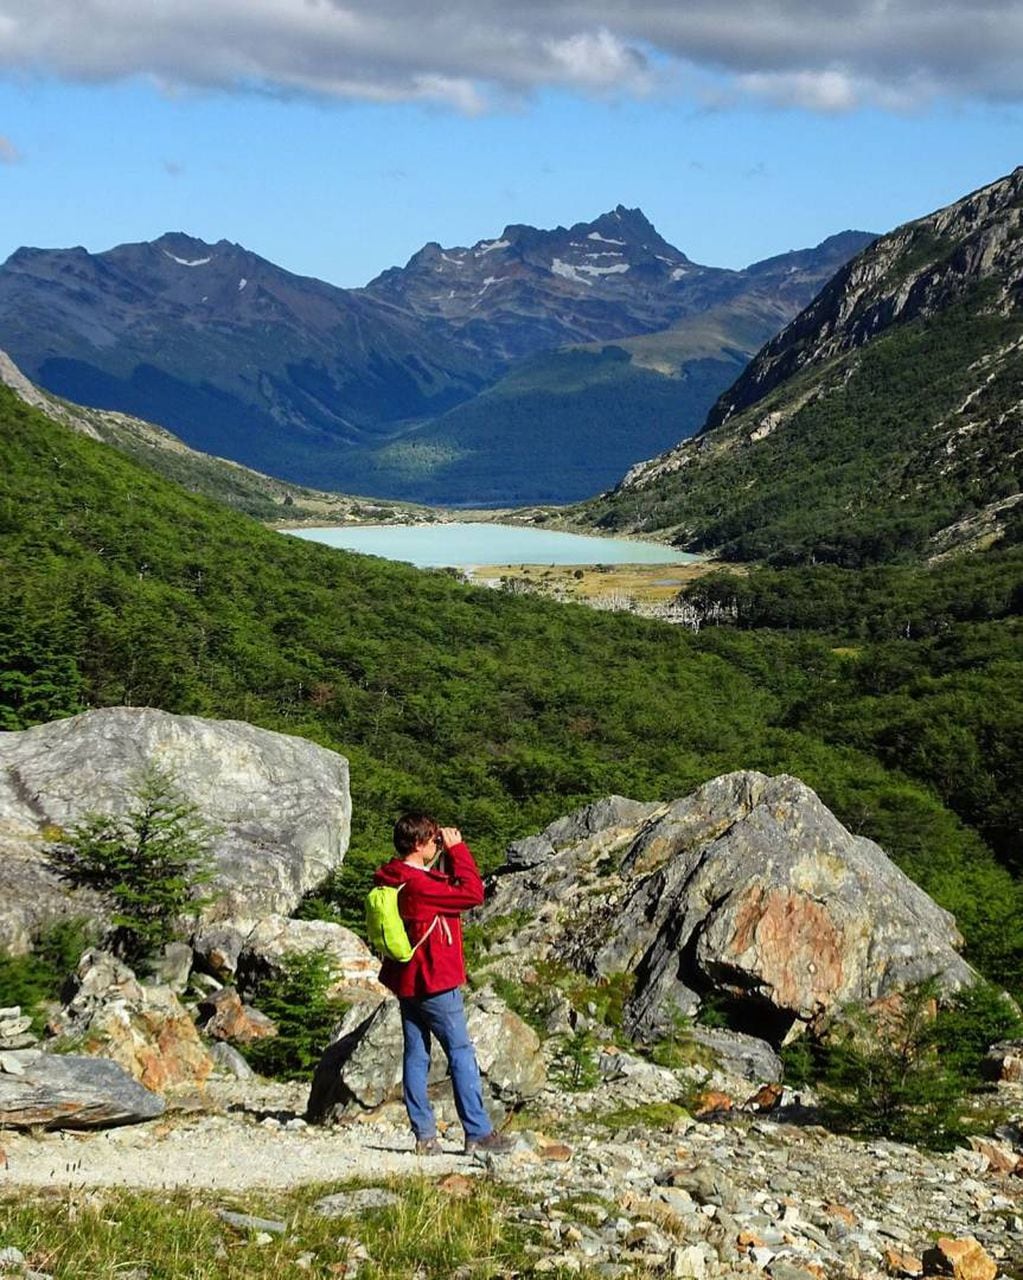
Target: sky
x=336 y=137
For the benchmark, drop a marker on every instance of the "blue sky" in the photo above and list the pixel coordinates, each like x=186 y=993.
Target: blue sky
x=336 y=138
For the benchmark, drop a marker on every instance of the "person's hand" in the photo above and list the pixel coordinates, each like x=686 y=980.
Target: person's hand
x=450 y=836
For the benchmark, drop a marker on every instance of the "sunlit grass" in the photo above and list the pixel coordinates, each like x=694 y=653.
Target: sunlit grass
x=435 y=1230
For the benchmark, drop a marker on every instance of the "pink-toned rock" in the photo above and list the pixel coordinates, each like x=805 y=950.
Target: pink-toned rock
x=1000 y=1158
x=229 y=1019
x=899 y=1262
x=146 y=1030
x=964 y=1259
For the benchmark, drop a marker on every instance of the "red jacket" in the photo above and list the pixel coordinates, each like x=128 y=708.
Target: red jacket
x=438 y=965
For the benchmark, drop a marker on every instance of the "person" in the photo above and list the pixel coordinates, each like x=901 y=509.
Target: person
x=431 y=900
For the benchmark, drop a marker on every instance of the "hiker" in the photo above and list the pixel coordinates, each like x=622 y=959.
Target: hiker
x=438 y=880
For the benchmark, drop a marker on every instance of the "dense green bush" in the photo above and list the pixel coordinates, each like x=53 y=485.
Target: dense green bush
x=33 y=980
x=906 y=1071
x=297 y=997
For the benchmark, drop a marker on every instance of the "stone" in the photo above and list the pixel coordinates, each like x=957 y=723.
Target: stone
x=350 y=1204
x=218 y=947
x=1004 y=1061
x=68 y=1091
x=749 y=889
x=963 y=1259
x=280 y=805
x=766 y=1099
x=144 y=1028
x=687 y=1262
x=224 y=1017
x=228 y=1061
x=900 y=1263
x=362 y=1067
x=1000 y=1158
x=710 y=1102
x=173 y=967
x=246 y=1222
x=273 y=937
x=740 y=1056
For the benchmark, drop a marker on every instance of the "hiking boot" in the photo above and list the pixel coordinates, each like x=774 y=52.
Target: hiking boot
x=428 y=1147
x=494 y=1144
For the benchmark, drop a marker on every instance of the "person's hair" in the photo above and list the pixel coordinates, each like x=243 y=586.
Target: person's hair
x=412 y=829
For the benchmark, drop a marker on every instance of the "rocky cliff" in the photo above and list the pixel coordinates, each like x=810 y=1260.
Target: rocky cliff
x=877 y=422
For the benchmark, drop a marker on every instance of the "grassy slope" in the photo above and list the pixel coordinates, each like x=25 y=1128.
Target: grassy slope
x=496 y=712
x=558 y=427
x=876 y=452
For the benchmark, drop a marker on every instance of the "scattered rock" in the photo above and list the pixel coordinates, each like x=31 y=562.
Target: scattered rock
x=362 y=1067
x=350 y=1204
x=964 y=1259
x=224 y=1017
x=229 y=1061
x=66 y=1091
x=1004 y=1061
x=144 y=1028
x=274 y=937
x=245 y=1222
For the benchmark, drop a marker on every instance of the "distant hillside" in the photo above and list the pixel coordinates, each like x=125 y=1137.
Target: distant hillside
x=884 y=423
x=308 y=382
x=228 y=482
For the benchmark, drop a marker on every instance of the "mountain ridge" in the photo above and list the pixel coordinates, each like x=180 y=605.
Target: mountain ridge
x=309 y=382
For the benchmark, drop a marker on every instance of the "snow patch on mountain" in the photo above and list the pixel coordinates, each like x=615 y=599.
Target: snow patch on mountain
x=595 y=235
x=578 y=271
x=488 y=246
x=187 y=262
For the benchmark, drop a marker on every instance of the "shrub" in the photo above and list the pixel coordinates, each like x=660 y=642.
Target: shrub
x=147 y=863
x=298 y=999
x=33 y=980
x=906 y=1074
x=574 y=1066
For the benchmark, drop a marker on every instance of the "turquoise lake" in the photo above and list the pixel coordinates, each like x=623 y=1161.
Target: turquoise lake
x=431 y=546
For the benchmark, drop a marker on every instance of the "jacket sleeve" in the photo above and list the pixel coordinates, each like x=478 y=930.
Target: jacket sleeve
x=461 y=889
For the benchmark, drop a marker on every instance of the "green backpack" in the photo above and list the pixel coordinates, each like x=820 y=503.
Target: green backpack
x=385 y=928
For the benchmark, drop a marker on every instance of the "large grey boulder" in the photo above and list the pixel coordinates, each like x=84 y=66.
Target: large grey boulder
x=361 y=1069
x=749 y=890
x=280 y=806
x=65 y=1091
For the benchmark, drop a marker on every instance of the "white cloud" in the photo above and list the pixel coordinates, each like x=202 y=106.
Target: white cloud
x=9 y=153
x=820 y=55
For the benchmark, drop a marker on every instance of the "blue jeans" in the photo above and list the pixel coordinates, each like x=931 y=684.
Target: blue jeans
x=442 y=1016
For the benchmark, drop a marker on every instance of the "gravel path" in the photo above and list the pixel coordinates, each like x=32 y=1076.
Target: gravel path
x=250 y=1139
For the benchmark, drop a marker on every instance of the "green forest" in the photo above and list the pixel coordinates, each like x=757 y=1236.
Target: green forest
x=499 y=712
x=859 y=473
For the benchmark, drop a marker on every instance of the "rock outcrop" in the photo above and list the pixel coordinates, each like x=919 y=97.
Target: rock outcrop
x=145 y=1029
x=246 y=951
x=748 y=891
x=280 y=806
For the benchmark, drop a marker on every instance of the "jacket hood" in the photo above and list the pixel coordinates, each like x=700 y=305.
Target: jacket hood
x=396 y=872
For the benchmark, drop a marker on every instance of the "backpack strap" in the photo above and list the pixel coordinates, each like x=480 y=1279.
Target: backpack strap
x=445 y=929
